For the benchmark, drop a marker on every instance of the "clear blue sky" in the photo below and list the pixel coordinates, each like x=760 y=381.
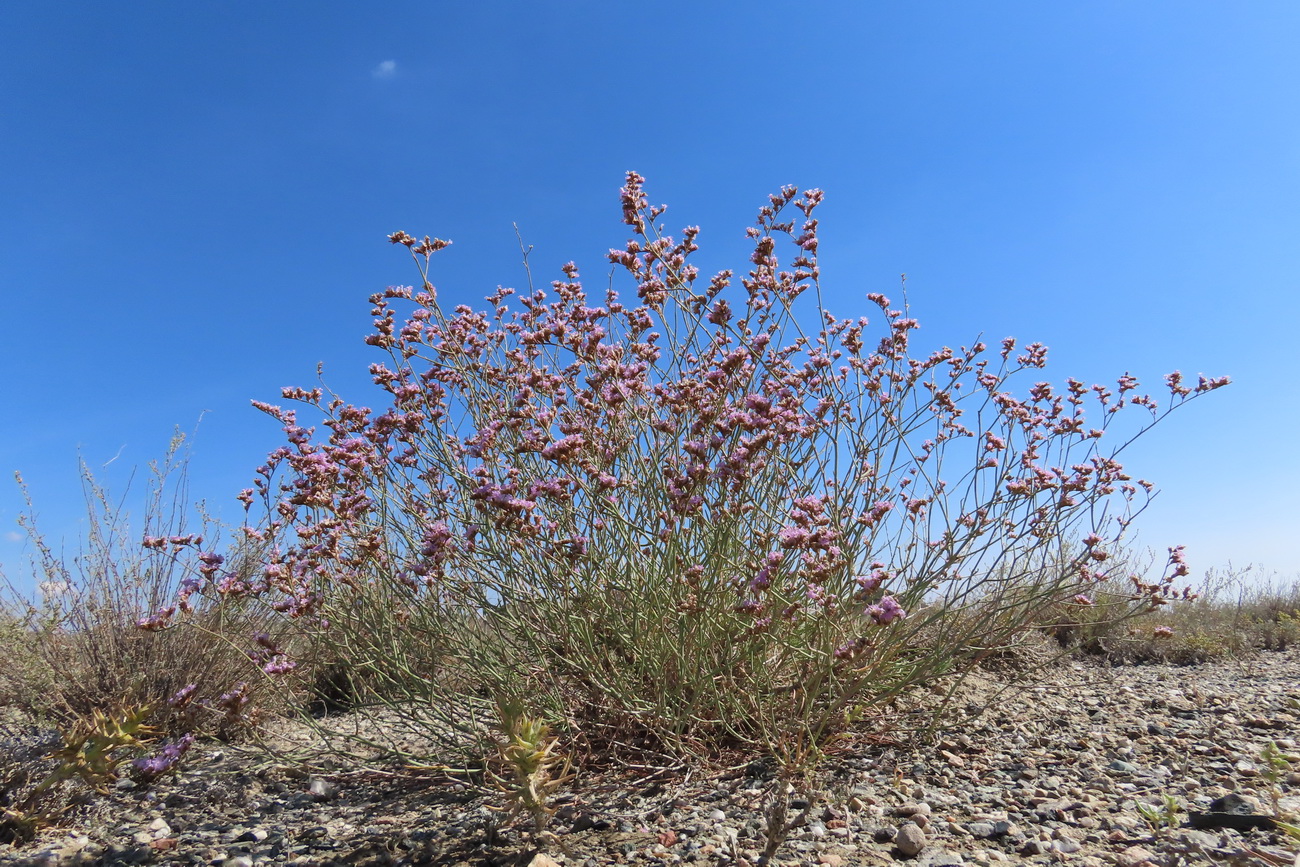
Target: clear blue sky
x=194 y=200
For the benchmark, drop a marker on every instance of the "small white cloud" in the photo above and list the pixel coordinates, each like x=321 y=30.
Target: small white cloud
x=13 y=536
x=387 y=69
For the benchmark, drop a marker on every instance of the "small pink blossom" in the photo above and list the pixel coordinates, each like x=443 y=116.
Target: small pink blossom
x=886 y=611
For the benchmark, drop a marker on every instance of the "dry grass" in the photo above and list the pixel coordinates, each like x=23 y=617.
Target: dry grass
x=1236 y=613
x=74 y=647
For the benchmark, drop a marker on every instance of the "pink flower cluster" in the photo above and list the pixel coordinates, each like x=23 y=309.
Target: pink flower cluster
x=534 y=441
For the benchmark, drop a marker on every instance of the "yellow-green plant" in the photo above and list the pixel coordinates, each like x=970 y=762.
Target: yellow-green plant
x=93 y=748
x=1276 y=765
x=533 y=769
x=1283 y=632
x=1163 y=816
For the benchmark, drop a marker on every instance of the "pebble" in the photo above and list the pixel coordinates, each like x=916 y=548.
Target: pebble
x=910 y=840
x=1134 y=856
x=323 y=790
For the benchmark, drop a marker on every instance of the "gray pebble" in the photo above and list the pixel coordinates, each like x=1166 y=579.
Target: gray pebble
x=910 y=840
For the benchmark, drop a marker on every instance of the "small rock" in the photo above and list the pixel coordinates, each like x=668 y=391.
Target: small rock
x=1120 y=766
x=1035 y=847
x=1199 y=839
x=1133 y=856
x=911 y=810
x=941 y=859
x=238 y=861
x=830 y=859
x=1006 y=829
x=323 y=790
x=910 y=840
x=73 y=847
x=1234 y=803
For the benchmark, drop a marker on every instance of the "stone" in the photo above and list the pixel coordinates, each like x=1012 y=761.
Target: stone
x=1134 y=856
x=1006 y=829
x=1234 y=803
x=1034 y=847
x=74 y=850
x=323 y=790
x=910 y=840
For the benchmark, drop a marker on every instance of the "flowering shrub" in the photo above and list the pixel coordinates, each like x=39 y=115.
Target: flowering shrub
x=714 y=514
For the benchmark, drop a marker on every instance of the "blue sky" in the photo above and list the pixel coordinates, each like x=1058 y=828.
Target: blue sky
x=195 y=199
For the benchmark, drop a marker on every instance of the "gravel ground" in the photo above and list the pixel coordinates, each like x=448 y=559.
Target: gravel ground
x=1053 y=771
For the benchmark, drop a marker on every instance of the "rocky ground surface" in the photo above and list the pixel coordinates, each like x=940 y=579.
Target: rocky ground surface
x=1087 y=765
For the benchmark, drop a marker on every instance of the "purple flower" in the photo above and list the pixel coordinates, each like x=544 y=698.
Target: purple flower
x=793 y=537
x=867 y=583
x=560 y=450
x=279 y=664
x=165 y=759
x=182 y=695
x=156 y=622
x=851 y=649
x=886 y=611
